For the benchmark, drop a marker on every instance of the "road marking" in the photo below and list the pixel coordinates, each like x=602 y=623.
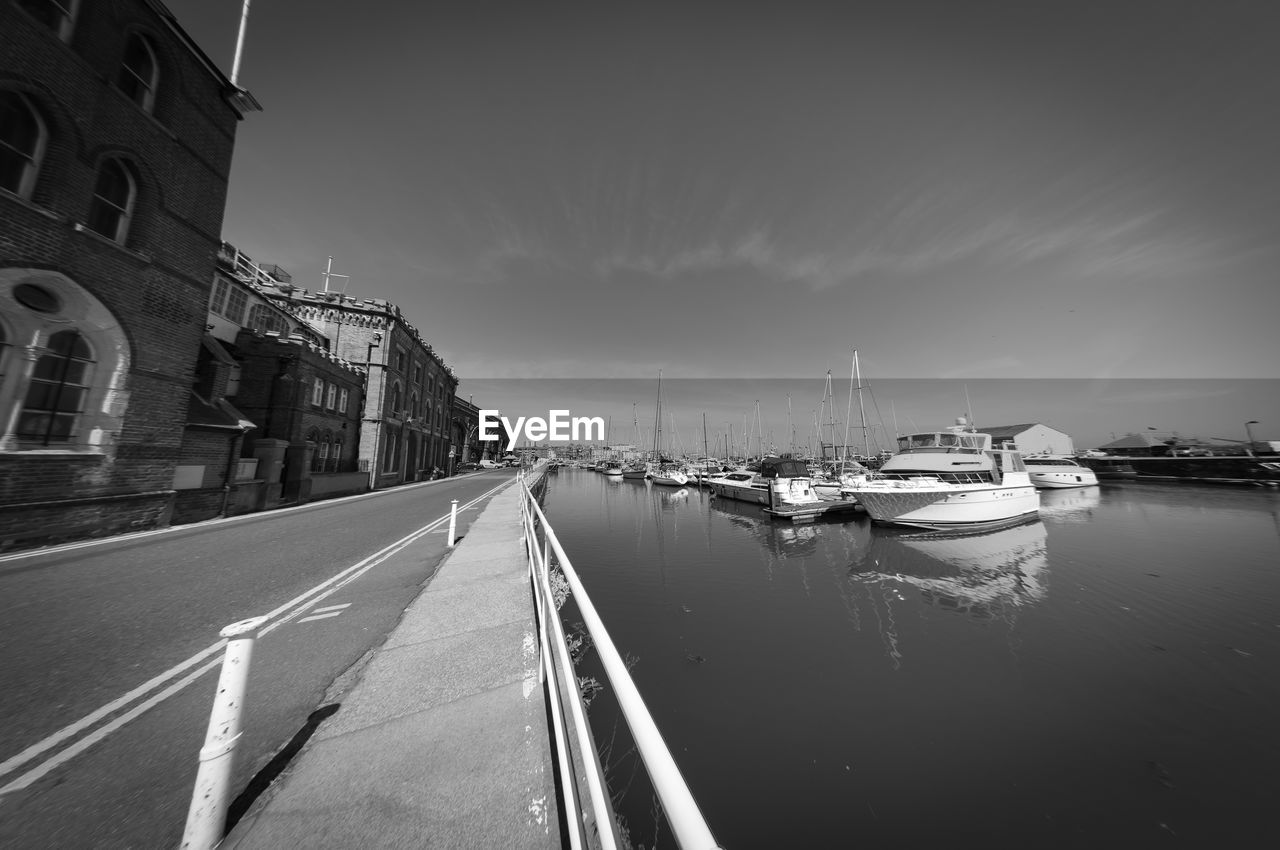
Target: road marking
x=275 y=512
x=320 y=616
x=303 y=603
x=333 y=607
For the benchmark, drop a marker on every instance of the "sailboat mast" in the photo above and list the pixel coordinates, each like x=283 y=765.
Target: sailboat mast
x=848 y=413
x=862 y=411
x=657 y=423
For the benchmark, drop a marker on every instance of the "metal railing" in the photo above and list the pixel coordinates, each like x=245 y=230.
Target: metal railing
x=594 y=825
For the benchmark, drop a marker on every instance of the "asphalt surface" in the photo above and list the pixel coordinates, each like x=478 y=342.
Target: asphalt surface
x=102 y=735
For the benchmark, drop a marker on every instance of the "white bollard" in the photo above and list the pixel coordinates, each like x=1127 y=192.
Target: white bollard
x=453 y=523
x=207 y=817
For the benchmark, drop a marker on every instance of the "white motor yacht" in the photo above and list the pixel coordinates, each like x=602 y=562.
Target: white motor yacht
x=948 y=479
x=780 y=483
x=1052 y=471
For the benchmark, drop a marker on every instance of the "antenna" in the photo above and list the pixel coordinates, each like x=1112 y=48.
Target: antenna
x=328 y=273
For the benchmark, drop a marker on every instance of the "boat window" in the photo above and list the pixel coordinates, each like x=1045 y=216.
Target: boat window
x=948 y=440
x=972 y=441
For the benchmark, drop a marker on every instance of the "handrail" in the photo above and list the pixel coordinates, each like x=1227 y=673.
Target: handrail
x=687 y=823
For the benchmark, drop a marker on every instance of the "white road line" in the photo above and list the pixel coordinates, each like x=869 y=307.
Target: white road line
x=333 y=607
x=113 y=706
x=139 y=535
x=89 y=740
x=320 y=616
x=339 y=580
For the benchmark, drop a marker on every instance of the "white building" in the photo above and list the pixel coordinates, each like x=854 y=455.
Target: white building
x=1032 y=438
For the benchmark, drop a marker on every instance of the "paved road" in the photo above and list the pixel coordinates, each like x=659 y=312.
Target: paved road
x=94 y=634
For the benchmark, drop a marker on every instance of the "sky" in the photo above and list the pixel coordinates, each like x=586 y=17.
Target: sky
x=960 y=190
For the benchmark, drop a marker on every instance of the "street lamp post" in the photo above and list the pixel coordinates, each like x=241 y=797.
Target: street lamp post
x=1249 y=433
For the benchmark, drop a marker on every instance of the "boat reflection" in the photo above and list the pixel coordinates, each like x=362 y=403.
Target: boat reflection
x=978 y=573
x=1074 y=505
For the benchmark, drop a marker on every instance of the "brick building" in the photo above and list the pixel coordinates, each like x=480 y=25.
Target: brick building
x=116 y=137
x=465 y=433
x=306 y=405
x=406 y=427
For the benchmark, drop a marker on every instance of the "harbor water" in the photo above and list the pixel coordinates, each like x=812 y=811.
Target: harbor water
x=1106 y=675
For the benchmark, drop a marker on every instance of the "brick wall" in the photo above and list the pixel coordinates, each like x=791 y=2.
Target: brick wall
x=156 y=284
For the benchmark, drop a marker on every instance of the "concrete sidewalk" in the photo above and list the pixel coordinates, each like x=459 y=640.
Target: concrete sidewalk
x=443 y=741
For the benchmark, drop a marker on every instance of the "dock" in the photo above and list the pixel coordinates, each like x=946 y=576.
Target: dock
x=807 y=512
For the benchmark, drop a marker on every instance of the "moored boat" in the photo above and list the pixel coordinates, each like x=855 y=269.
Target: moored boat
x=668 y=476
x=1057 y=471
x=948 y=479
x=781 y=483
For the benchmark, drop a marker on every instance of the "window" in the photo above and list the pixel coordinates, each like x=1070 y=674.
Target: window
x=335 y=456
x=262 y=318
x=417 y=374
x=331 y=397
x=22 y=143
x=317 y=392
x=400 y=360
x=57 y=15
x=321 y=457
x=217 y=302
x=56 y=394
x=395 y=399
x=342 y=401
x=237 y=300
x=64 y=363
x=139 y=72
x=112 y=204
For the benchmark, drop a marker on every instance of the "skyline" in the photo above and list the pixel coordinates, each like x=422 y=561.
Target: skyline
x=960 y=191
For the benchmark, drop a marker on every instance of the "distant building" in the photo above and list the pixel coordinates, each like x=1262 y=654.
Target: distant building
x=116 y=138
x=307 y=406
x=466 y=443
x=405 y=432
x=1031 y=438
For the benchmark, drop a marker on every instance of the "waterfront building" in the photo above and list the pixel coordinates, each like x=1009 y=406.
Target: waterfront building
x=464 y=424
x=117 y=138
x=1031 y=438
x=405 y=432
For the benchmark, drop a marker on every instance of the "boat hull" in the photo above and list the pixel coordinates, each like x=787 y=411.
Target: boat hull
x=1060 y=479
x=946 y=506
x=740 y=492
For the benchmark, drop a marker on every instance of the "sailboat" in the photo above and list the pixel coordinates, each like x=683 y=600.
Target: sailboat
x=662 y=473
x=635 y=470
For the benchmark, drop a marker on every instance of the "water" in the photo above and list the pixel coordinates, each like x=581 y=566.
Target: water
x=1105 y=675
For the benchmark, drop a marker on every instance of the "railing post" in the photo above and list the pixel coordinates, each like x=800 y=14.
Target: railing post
x=453 y=523
x=206 y=818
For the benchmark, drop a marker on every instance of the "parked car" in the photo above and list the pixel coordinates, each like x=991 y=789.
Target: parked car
x=490 y=464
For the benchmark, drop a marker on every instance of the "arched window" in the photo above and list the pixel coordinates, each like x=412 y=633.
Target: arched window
x=414 y=405
x=64 y=363
x=113 y=197
x=335 y=456
x=139 y=72
x=22 y=142
x=320 y=460
x=57 y=15
x=263 y=319
x=313 y=437
x=56 y=393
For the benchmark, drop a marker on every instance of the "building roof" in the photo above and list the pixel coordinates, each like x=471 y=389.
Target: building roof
x=219 y=414
x=999 y=432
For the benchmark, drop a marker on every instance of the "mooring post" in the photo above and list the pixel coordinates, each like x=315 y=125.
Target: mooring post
x=453 y=522
x=207 y=816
